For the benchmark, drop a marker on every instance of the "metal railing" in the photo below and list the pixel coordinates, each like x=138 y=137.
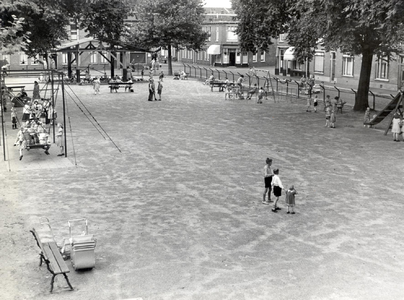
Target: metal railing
x=285 y=88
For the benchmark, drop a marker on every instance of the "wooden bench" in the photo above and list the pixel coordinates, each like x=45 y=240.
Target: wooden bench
x=220 y=84
x=116 y=85
x=50 y=254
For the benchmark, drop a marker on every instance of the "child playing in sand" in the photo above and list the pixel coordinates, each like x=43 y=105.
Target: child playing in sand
x=277 y=188
x=290 y=199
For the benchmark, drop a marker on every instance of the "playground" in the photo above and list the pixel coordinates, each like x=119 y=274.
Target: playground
x=172 y=192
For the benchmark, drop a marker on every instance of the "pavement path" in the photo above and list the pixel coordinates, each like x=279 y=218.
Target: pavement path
x=174 y=200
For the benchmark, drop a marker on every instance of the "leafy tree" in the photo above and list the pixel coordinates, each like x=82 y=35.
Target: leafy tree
x=356 y=27
x=105 y=20
x=168 y=24
x=13 y=38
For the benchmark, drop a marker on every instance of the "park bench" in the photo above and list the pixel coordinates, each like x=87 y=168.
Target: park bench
x=50 y=254
x=116 y=85
x=220 y=84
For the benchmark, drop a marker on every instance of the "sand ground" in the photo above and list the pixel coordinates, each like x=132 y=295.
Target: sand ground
x=172 y=191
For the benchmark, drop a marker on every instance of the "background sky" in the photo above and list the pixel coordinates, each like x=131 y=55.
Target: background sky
x=217 y=3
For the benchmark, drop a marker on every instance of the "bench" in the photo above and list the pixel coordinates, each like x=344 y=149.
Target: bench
x=220 y=84
x=11 y=88
x=116 y=85
x=50 y=254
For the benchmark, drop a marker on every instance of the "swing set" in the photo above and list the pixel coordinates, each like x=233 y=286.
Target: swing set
x=37 y=118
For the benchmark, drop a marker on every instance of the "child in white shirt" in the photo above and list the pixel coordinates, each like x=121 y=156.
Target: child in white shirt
x=277 y=188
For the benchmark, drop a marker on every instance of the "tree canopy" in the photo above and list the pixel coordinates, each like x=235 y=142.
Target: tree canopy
x=168 y=23
x=356 y=27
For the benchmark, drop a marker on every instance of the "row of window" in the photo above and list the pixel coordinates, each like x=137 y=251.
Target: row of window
x=214 y=32
x=381 y=67
x=203 y=56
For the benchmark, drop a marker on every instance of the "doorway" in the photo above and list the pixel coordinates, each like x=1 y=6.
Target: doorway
x=232 y=58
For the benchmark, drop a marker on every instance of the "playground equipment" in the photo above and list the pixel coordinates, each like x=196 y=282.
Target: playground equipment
x=396 y=104
x=80 y=247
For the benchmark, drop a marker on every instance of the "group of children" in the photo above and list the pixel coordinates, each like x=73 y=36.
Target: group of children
x=273 y=183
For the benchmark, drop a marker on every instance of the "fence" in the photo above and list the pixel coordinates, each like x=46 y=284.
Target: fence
x=286 y=88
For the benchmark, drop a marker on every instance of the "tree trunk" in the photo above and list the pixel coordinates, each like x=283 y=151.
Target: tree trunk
x=169 y=62
x=362 y=96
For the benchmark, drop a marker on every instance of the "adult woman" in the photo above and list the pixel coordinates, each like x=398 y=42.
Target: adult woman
x=36 y=94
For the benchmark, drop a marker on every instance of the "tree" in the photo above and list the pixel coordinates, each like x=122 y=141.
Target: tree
x=105 y=20
x=45 y=23
x=356 y=27
x=13 y=38
x=169 y=24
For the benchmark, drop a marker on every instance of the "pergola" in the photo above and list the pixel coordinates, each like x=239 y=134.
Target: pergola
x=92 y=45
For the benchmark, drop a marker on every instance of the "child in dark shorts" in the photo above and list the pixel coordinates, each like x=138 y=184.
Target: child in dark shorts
x=267 y=180
x=277 y=188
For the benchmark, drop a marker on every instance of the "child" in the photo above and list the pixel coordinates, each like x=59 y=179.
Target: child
x=327 y=116
x=315 y=103
x=277 y=188
x=268 y=173
x=261 y=93
x=333 y=119
x=21 y=141
x=290 y=199
x=396 y=127
x=96 y=85
x=159 y=89
x=13 y=119
x=366 y=118
x=308 y=109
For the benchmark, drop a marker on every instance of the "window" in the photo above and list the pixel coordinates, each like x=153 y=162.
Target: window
x=319 y=62
x=64 y=58
x=382 y=68
x=262 y=59
x=23 y=59
x=282 y=37
x=209 y=30
x=73 y=31
x=255 y=57
x=231 y=36
x=245 y=58
x=103 y=60
x=217 y=33
x=93 y=57
x=35 y=60
x=6 y=58
x=347 y=65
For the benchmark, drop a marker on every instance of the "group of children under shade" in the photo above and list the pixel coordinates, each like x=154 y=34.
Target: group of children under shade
x=273 y=183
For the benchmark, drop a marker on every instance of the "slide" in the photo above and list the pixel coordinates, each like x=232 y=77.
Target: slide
x=386 y=111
